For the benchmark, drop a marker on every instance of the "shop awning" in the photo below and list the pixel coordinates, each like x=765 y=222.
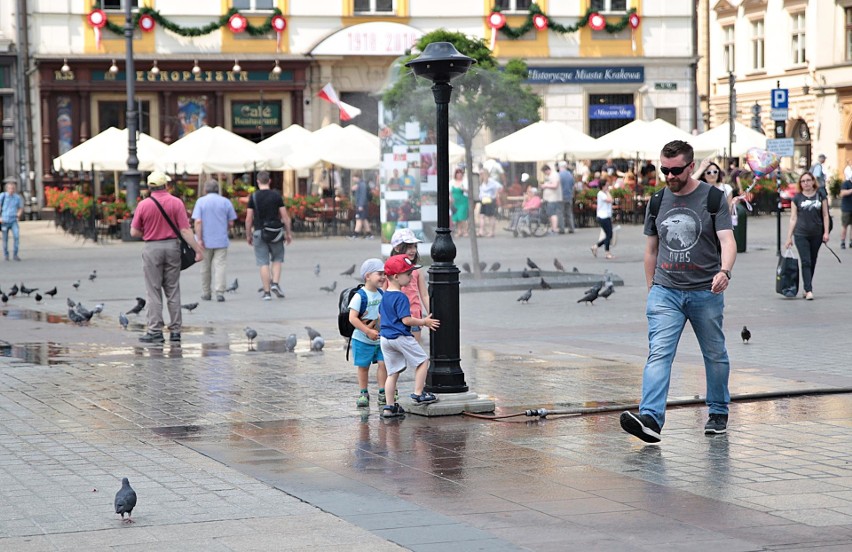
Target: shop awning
x=107 y=151
x=544 y=141
x=215 y=150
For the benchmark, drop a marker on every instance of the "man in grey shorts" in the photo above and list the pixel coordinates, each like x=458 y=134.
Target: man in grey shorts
x=266 y=208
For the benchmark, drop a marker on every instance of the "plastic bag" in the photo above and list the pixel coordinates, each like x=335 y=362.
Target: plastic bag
x=787 y=275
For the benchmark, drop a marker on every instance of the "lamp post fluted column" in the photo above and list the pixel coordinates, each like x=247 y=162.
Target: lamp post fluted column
x=132 y=176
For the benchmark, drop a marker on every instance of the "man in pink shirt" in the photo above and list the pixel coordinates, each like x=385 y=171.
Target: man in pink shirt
x=161 y=256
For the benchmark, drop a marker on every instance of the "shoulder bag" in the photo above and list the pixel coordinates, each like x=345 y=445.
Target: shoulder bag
x=271 y=231
x=187 y=253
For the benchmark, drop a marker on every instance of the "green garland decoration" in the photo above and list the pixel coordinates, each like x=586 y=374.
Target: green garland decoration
x=535 y=9
x=260 y=30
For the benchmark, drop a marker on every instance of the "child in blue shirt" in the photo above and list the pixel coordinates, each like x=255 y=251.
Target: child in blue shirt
x=366 y=348
x=399 y=348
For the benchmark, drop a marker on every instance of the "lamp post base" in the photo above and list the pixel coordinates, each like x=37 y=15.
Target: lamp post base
x=451 y=404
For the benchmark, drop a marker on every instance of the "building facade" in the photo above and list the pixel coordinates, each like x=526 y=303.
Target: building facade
x=799 y=45
x=192 y=67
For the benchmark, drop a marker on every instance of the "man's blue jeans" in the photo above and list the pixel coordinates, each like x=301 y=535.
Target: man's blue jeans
x=668 y=310
x=16 y=235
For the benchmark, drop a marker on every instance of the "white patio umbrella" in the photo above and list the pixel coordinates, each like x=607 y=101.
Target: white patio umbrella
x=214 y=150
x=644 y=140
x=107 y=151
x=716 y=139
x=544 y=141
x=283 y=143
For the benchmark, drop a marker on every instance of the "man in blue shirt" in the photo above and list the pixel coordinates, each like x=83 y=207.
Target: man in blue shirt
x=11 y=209
x=213 y=216
x=566 y=179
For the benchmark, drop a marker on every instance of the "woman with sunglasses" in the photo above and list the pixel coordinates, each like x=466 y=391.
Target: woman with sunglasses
x=709 y=172
x=808 y=227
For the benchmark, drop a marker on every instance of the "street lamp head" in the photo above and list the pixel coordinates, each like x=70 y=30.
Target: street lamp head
x=113 y=68
x=196 y=69
x=440 y=62
x=65 y=67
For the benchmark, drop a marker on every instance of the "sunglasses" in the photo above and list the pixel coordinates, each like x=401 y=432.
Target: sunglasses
x=711 y=172
x=674 y=170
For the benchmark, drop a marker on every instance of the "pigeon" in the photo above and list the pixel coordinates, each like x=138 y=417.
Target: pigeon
x=250 y=334
x=317 y=270
x=75 y=316
x=466 y=267
x=525 y=297
x=13 y=291
x=525 y=273
x=93 y=275
x=312 y=333
x=495 y=267
x=83 y=311
x=125 y=500
x=596 y=289
x=140 y=304
x=482 y=266
x=51 y=292
x=607 y=290
x=532 y=265
x=190 y=306
x=317 y=343
x=349 y=271
x=76 y=284
x=70 y=302
x=575 y=270
x=745 y=334
x=558 y=265
x=99 y=308
x=25 y=289
x=590 y=296
x=331 y=288
x=545 y=285
x=38 y=298
x=122 y=319
x=4 y=298
x=233 y=287
x=290 y=343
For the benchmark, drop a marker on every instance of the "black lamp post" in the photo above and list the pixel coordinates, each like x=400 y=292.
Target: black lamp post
x=440 y=62
x=132 y=176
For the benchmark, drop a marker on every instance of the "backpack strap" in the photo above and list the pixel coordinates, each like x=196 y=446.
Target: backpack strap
x=656 y=201
x=714 y=203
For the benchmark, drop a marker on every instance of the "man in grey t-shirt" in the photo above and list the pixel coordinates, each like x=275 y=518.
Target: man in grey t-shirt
x=686 y=277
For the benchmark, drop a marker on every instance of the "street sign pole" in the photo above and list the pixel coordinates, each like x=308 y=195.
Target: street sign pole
x=779 y=101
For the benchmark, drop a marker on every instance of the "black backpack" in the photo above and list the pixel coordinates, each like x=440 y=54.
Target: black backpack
x=714 y=202
x=344 y=326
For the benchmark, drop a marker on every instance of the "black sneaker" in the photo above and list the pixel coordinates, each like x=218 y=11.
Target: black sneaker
x=206 y=297
x=718 y=423
x=153 y=337
x=843 y=245
x=274 y=288
x=174 y=336
x=266 y=296
x=642 y=426
x=392 y=411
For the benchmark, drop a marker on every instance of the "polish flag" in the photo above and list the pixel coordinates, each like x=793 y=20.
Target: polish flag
x=347 y=112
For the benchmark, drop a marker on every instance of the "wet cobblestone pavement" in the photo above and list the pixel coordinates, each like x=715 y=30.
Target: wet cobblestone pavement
x=232 y=447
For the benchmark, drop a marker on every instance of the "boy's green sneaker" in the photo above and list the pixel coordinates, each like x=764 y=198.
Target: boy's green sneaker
x=363 y=400
x=382 y=401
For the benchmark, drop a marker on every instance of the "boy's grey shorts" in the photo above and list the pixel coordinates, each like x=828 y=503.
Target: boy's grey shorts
x=402 y=352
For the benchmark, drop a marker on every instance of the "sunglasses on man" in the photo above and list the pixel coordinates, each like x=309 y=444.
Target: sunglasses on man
x=674 y=170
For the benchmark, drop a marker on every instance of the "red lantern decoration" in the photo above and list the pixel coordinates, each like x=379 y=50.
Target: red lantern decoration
x=634 y=20
x=496 y=20
x=147 y=23
x=97 y=19
x=237 y=23
x=278 y=25
x=540 y=21
x=597 y=22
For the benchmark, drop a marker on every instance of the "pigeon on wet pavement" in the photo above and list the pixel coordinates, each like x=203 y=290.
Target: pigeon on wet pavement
x=190 y=306
x=607 y=290
x=233 y=287
x=317 y=270
x=558 y=265
x=290 y=343
x=13 y=291
x=38 y=297
x=75 y=316
x=4 y=298
x=495 y=267
x=70 y=302
x=532 y=265
x=93 y=275
x=317 y=343
x=575 y=270
x=28 y=291
x=482 y=266
x=590 y=296
x=99 y=308
x=76 y=284
x=140 y=304
x=51 y=292
x=525 y=297
x=312 y=333
x=745 y=334
x=125 y=500
x=349 y=271
x=251 y=334
x=525 y=273
x=83 y=311
x=122 y=319
x=545 y=285
x=329 y=289
x=466 y=267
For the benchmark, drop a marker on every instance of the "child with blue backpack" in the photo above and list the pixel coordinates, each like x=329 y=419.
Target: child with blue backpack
x=364 y=316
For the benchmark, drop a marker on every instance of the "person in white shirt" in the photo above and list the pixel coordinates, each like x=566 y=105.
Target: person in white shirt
x=604 y=216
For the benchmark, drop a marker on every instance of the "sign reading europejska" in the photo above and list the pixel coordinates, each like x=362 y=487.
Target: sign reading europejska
x=612 y=111
x=560 y=75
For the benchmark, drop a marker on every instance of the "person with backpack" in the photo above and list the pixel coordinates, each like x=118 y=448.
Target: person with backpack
x=267 y=230
x=809 y=227
x=689 y=255
x=364 y=318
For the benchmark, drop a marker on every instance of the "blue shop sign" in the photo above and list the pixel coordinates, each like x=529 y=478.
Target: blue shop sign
x=606 y=75
x=612 y=111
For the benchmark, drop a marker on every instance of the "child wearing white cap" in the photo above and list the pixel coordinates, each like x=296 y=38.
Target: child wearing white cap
x=364 y=316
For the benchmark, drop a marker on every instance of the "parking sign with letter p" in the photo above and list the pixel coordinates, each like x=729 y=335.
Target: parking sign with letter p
x=779 y=98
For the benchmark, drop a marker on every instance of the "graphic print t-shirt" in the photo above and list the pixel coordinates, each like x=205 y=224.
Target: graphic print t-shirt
x=687 y=258
x=374 y=299
x=808 y=215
